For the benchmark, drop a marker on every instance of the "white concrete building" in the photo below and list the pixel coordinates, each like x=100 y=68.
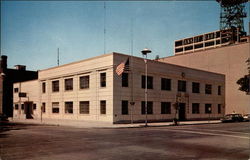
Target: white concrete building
x=91 y=90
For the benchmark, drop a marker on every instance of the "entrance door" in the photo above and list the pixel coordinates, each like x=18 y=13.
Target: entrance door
x=182 y=111
x=28 y=110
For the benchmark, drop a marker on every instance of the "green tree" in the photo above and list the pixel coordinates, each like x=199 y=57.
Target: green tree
x=244 y=84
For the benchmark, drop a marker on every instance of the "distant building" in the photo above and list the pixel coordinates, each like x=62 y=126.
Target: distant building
x=220 y=54
x=91 y=90
x=7 y=78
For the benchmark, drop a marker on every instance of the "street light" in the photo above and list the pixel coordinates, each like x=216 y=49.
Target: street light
x=145 y=53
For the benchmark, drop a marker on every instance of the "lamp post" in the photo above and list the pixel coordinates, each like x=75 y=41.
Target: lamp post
x=145 y=53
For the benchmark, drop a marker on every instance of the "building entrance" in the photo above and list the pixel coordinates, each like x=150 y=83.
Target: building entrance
x=182 y=111
x=28 y=110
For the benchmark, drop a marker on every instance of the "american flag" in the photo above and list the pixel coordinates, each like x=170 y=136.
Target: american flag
x=124 y=66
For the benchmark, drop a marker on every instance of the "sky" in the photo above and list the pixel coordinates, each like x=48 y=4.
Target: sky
x=31 y=31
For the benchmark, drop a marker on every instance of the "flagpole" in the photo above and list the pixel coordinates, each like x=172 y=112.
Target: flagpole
x=132 y=103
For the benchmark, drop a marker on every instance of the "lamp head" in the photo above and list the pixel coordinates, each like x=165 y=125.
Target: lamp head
x=146 y=51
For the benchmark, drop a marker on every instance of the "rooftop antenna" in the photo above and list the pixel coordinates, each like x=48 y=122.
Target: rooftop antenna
x=57 y=56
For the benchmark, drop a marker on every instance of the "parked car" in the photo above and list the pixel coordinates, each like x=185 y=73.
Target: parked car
x=232 y=118
x=246 y=117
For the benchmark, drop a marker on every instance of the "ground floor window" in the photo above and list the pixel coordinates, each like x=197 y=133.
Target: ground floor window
x=34 y=106
x=84 y=107
x=165 y=108
x=124 y=107
x=69 y=107
x=43 y=107
x=149 y=107
x=195 y=108
x=55 y=107
x=208 y=108
x=16 y=106
x=219 y=108
x=103 y=107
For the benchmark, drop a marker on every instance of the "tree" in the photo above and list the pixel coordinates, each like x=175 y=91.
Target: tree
x=244 y=84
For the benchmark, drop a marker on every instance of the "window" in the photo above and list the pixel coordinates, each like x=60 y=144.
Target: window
x=69 y=107
x=34 y=106
x=15 y=90
x=55 y=107
x=181 y=86
x=219 y=108
x=22 y=106
x=55 y=86
x=195 y=87
x=208 y=108
x=219 y=90
x=149 y=107
x=124 y=107
x=165 y=84
x=103 y=107
x=43 y=87
x=43 y=107
x=103 y=79
x=16 y=106
x=68 y=84
x=84 y=107
x=195 y=108
x=84 y=82
x=149 y=82
x=165 y=108
x=208 y=89
x=124 y=79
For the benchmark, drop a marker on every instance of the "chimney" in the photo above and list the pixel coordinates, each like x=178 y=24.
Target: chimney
x=3 y=62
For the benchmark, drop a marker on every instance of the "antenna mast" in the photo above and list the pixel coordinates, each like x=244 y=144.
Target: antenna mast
x=57 y=56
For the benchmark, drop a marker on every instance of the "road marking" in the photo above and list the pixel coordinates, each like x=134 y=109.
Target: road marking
x=206 y=133
x=220 y=131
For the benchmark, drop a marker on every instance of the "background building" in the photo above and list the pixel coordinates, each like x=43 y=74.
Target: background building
x=91 y=90
x=7 y=78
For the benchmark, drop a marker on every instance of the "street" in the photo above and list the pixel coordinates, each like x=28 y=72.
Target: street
x=223 y=141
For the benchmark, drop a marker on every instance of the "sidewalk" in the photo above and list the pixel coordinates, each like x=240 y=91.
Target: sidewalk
x=89 y=124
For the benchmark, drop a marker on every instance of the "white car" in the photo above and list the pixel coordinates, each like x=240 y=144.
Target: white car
x=246 y=117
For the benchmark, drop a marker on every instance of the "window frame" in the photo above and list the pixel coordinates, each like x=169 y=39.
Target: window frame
x=55 y=86
x=166 y=84
x=208 y=88
x=84 y=82
x=208 y=105
x=55 y=107
x=125 y=79
x=43 y=87
x=103 y=79
x=68 y=84
x=195 y=87
x=103 y=108
x=68 y=107
x=150 y=107
x=195 y=108
x=150 y=82
x=182 y=86
x=124 y=107
x=165 y=107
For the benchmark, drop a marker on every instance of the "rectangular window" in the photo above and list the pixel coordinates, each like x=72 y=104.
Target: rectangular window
x=34 y=106
x=182 y=86
x=43 y=107
x=124 y=79
x=68 y=84
x=149 y=82
x=103 y=79
x=208 y=89
x=15 y=90
x=69 y=107
x=55 y=107
x=149 y=107
x=22 y=106
x=219 y=90
x=84 y=107
x=165 y=108
x=165 y=84
x=103 y=107
x=16 y=106
x=195 y=108
x=84 y=82
x=219 y=108
x=124 y=107
x=196 y=87
x=43 y=87
x=208 y=108
x=55 y=86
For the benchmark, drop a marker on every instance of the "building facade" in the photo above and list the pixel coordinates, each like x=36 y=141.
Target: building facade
x=91 y=90
x=229 y=60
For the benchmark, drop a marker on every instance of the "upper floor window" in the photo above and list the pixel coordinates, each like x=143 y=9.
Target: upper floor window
x=124 y=79
x=182 y=86
x=84 y=107
x=43 y=87
x=103 y=79
x=196 y=87
x=124 y=107
x=149 y=82
x=84 y=82
x=55 y=86
x=208 y=89
x=165 y=84
x=165 y=108
x=149 y=107
x=219 y=90
x=15 y=90
x=69 y=107
x=103 y=107
x=68 y=84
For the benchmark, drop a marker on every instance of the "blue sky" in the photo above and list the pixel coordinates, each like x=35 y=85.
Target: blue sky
x=31 y=31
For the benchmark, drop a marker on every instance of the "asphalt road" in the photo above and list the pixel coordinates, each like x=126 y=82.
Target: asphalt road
x=228 y=141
